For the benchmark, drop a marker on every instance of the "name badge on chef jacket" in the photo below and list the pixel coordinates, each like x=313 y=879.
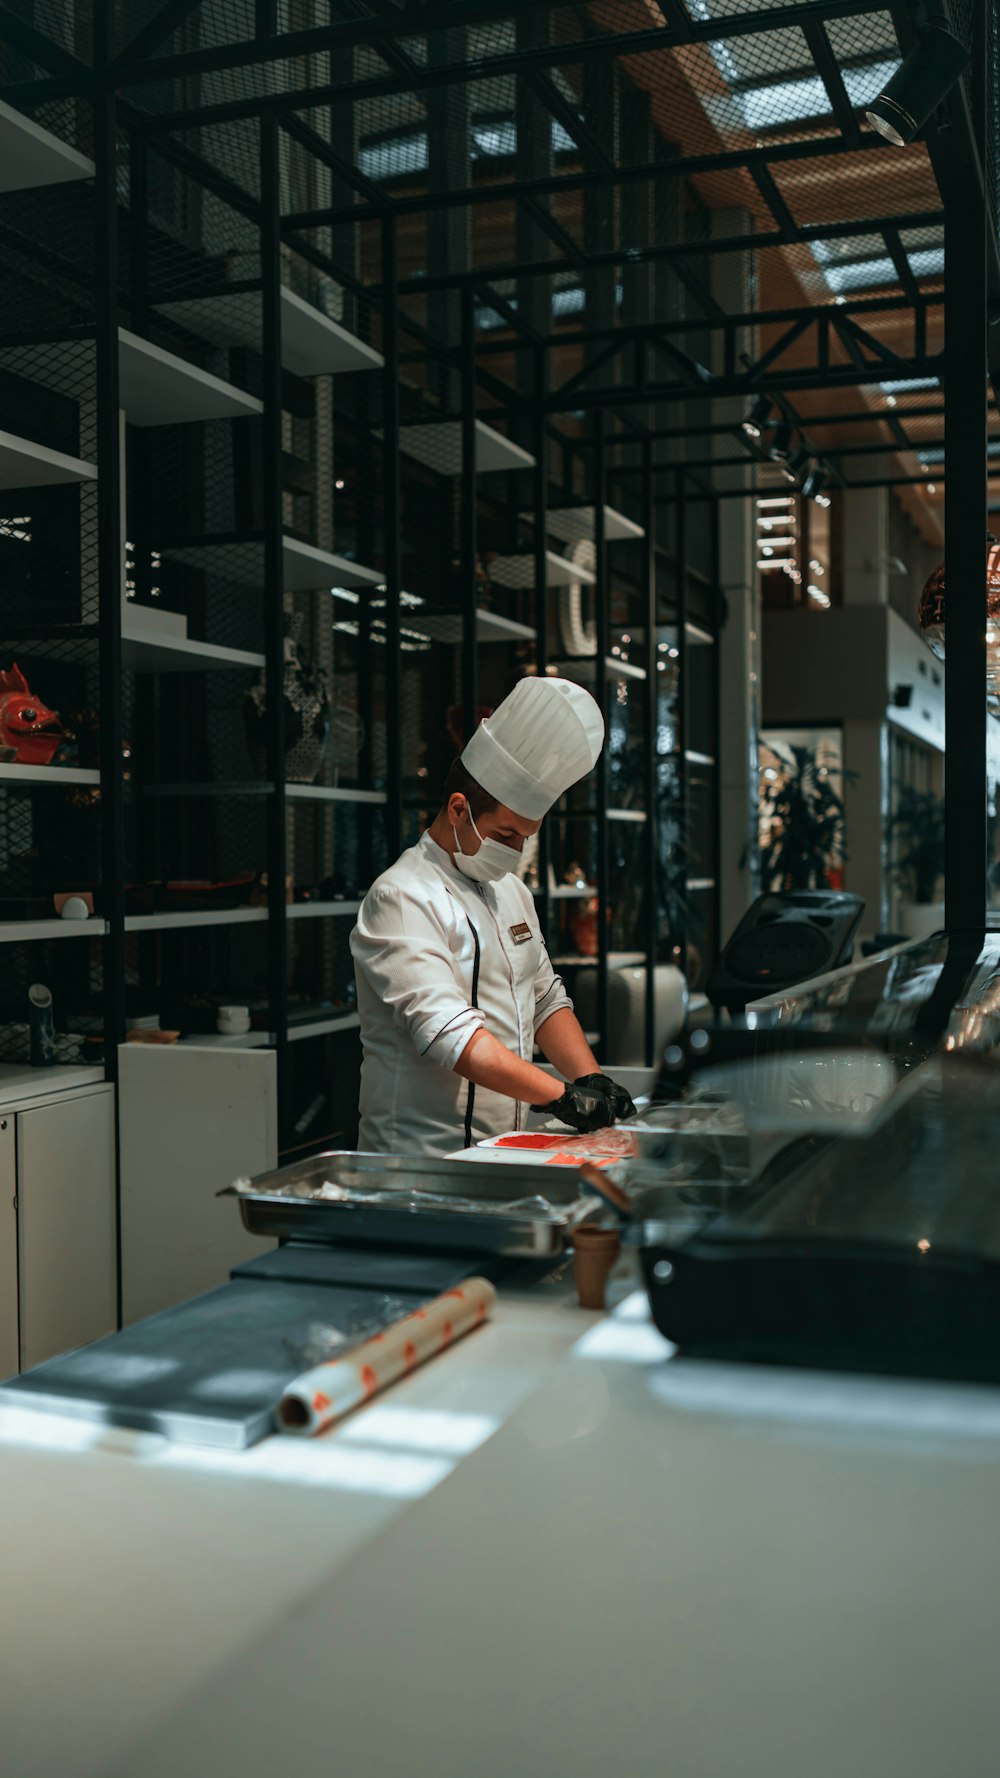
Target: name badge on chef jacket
x=521 y=933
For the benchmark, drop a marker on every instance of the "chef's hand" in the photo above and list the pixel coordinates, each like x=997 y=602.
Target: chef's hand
x=583 y=1107
x=621 y=1103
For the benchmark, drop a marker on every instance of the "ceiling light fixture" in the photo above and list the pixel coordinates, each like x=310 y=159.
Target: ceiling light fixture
x=919 y=86
x=781 y=443
x=753 y=425
x=813 y=488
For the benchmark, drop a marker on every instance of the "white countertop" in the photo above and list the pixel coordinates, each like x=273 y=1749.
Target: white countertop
x=655 y=1569
x=131 y=1568
x=554 y=1552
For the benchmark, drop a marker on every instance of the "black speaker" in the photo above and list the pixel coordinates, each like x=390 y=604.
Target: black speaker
x=784 y=939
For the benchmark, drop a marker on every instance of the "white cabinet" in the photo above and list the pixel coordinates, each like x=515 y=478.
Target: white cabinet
x=192 y=1120
x=8 y=1245
x=58 y=1284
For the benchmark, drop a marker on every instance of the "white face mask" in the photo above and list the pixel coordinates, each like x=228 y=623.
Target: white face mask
x=490 y=863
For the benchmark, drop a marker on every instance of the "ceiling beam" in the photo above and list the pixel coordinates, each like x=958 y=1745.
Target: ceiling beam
x=829 y=72
x=35 y=46
x=828 y=231
x=162 y=25
x=555 y=184
x=805 y=377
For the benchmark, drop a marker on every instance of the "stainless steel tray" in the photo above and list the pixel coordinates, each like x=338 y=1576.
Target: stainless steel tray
x=375 y=1199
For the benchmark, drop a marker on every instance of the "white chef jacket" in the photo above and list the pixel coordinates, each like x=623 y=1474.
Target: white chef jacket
x=421 y=999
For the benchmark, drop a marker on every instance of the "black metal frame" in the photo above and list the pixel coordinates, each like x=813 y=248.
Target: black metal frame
x=626 y=377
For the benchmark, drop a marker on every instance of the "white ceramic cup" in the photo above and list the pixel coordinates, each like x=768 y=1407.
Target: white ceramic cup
x=232 y=1021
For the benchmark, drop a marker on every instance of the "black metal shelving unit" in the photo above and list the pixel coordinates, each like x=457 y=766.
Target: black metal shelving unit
x=402 y=309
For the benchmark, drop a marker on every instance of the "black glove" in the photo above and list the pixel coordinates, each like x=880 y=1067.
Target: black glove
x=583 y=1107
x=621 y=1103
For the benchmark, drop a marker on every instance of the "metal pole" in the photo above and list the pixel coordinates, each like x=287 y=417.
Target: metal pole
x=648 y=580
x=680 y=866
x=965 y=529
x=111 y=573
x=391 y=550
x=717 y=603
x=467 y=514
x=603 y=603
x=539 y=502
x=274 y=598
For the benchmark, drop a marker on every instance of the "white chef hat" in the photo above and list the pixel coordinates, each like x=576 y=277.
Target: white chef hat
x=544 y=737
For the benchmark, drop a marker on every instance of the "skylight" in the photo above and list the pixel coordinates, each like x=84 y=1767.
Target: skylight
x=791 y=101
x=400 y=156
x=865 y=274
x=906 y=386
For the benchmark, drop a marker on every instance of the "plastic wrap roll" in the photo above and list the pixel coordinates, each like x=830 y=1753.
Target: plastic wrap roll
x=330 y=1391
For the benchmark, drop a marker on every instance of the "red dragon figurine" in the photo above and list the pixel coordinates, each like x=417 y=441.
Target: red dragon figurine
x=26 y=725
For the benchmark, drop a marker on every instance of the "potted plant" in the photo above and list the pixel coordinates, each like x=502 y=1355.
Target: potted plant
x=803 y=816
x=916 y=837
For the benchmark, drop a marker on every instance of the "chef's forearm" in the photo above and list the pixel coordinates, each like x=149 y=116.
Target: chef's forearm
x=562 y=1042
x=488 y=1063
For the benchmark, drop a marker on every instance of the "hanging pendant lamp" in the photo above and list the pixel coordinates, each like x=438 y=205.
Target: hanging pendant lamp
x=933 y=603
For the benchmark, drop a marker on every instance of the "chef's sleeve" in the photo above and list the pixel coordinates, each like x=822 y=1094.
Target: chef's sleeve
x=550 y=992
x=403 y=951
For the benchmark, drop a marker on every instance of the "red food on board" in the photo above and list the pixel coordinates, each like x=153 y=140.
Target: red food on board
x=530 y=1139
x=601 y=1145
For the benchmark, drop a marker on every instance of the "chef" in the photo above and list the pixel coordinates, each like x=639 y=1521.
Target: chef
x=455 y=986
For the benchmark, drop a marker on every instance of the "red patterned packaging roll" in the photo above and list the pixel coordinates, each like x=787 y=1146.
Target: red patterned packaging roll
x=329 y=1391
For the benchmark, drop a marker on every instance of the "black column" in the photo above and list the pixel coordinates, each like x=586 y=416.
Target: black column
x=274 y=602
x=111 y=562
x=391 y=551
x=966 y=506
x=467 y=540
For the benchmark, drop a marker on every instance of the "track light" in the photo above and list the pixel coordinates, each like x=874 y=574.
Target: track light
x=814 y=486
x=919 y=86
x=781 y=442
x=753 y=425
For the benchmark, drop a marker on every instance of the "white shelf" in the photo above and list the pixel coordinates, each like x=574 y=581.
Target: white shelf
x=311 y=343
x=519 y=571
x=149 y=653
x=438 y=444
x=249 y=787
x=198 y=917
x=329 y=793
x=446 y=626
x=696 y=635
x=491 y=627
x=622 y=669
x=638 y=816
x=305 y=568
x=700 y=883
x=31 y=156
x=698 y=759
x=215 y=1040
x=348 y=1021
x=19 y=931
x=323 y=910
x=616 y=960
x=577 y=524
x=309 y=570
x=15 y=774
x=24 y=464
x=238 y=787
x=19 y=1081
x=565 y=892
x=159 y=389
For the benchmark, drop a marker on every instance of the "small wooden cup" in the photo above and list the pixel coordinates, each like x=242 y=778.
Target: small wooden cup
x=595 y=1251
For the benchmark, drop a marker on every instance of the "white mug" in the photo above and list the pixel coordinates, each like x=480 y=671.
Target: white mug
x=232 y=1021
